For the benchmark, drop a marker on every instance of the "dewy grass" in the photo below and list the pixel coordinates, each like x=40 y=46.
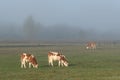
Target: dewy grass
x=101 y=64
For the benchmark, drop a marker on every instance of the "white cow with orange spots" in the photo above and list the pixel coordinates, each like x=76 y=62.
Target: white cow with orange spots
x=91 y=45
x=28 y=58
x=55 y=56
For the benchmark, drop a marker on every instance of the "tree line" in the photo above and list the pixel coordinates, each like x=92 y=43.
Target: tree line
x=32 y=30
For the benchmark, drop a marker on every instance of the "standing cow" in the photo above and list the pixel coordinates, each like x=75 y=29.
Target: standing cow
x=55 y=56
x=91 y=45
x=30 y=59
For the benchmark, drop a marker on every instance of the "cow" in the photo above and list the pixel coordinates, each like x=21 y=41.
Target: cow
x=91 y=45
x=55 y=56
x=30 y=59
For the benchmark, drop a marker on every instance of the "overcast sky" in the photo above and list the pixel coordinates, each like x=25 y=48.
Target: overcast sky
x=103 y=15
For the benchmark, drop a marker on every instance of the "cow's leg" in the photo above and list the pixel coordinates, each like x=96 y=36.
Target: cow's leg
x=23 y=64
x=62 y=63
x=59 y=62
x=51 y=62
x=30 y=65
x=33 y=66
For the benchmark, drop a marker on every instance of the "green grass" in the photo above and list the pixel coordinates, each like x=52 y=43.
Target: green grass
x=101 y=64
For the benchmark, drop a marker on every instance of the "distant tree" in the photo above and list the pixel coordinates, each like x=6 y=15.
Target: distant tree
x=30 y=28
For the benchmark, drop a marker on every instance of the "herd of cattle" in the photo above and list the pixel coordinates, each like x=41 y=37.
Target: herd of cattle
x=52 y=56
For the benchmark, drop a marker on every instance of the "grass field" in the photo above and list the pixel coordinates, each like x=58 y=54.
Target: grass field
x=101 y=64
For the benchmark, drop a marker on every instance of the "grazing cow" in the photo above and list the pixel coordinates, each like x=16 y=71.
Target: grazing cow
x=28 y=58
x=55 y=56
x=91 y=45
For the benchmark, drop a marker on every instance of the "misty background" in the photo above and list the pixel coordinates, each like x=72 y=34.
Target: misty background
x=62 y=20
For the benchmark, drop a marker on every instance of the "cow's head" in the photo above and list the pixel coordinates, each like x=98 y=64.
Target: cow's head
x=64 y=60
x=36 y=66
x=66 y=64
x=87 y=47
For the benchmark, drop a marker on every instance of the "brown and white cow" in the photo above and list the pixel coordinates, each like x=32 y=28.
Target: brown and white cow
x=55 y=56
x=91 y=45
x=30 y=59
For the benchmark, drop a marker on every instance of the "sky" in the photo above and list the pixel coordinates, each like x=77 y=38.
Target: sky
x=100 y=15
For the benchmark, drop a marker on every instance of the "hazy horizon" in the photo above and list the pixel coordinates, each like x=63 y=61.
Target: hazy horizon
x=60 y=20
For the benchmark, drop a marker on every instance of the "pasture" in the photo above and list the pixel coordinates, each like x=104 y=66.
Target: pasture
x=101 y=64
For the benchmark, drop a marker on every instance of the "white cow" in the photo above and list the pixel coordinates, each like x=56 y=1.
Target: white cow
x=28 y=58
x=55 y=56
x=91 y=45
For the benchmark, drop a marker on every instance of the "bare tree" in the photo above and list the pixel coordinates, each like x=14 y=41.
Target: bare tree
x=30 y=28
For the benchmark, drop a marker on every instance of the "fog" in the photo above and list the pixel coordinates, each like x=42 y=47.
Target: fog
x=59 y=20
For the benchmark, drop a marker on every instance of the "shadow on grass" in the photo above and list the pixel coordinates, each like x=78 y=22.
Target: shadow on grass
x=72 y=65
x=47 y=66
